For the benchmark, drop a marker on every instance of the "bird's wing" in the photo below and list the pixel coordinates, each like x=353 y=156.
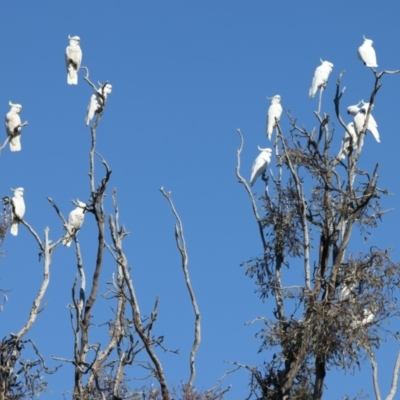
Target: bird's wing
x=12 y=122
x=93 y=106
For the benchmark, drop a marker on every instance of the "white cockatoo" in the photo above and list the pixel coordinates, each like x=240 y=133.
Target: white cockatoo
x=368 y=317
x=14 y=126
x=75 y=221
x=260 y=164
x=366 y=53
x=360 y=113
x=17 y=209
x=349 y=141
x=73 y=59
x=347 y=289
x=274 y=114
x=321 y=76
x=97 y=101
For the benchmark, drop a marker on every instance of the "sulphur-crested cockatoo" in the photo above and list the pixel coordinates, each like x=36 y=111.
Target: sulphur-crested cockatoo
x=349 y=141
x=14 y=126
x=17 y=209
x=75 y=221
x=347 y=289
x=321 y=76
x=274 y=114
x=366 y=53
x=360 y=114
x=260 y=164
x=73 y=58
x=97 y=101
x=368 y=317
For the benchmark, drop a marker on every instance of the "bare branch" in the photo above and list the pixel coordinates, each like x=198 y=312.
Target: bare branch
x=181 y=244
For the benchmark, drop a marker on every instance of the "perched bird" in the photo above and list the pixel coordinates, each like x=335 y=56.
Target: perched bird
x=360 y=114
x=73 y=58
x=274 y=114
x=97 y=101
x=260 y=164
x=14 y=126
x=366 y=53
x=347 y=289
x=349 y=141
x=368 y=317
x=17 y=209
x=321 y=76
x=75 y=221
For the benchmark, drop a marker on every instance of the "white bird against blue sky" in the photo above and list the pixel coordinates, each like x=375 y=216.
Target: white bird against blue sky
x=360 y=114
x=73 y=59
x=349 y=140
x=366 y=53
x=17 y=209
x=260 y=164
x=14 y=126
x=97 y=102
x=320 y=78
x=274 y=114
x=75 y=221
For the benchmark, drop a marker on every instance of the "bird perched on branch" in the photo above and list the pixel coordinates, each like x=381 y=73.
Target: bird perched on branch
x=97 y=101
x=260 y=164
x=17 y=209
x=75 y=221
x=366 y=53
x=321 y=76
x=349 y=141
x=73 y=58
x=14 y=126
x=360 y=114
x=274 y=114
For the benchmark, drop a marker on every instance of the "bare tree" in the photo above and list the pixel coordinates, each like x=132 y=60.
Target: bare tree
x=312 y=204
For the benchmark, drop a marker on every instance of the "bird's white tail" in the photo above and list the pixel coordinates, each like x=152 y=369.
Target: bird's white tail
x=15 y=144
x=72 y=77
x=14 y=229
x=67 y=240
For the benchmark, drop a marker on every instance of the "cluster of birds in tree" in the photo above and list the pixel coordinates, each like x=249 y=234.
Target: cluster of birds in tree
x=73 y=58
x=367 y=55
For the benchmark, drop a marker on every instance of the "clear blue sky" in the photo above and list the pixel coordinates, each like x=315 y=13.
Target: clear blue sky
x=185 y=75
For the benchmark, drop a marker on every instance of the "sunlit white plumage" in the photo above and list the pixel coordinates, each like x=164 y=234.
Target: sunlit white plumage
x=14 y=126
x=274 y=114
x=349 y=141
x=360 y=114
x=97 y=101
x=73 y=59
x=347 y=289
x=321 y=76
x=75 y=221
x=17 y=209
x=260 y=164
x=366 y=53
x=368 y=317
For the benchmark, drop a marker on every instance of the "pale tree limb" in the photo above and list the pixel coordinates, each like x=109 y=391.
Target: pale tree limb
x=181 y=244
x=302 y=212
x=46 y=278
x=117 y=234
x=393 y=388
x=374 y=373
x=277 y=292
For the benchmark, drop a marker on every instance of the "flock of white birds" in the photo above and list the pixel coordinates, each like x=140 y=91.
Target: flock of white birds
x=73 y=59
x=366 y=54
